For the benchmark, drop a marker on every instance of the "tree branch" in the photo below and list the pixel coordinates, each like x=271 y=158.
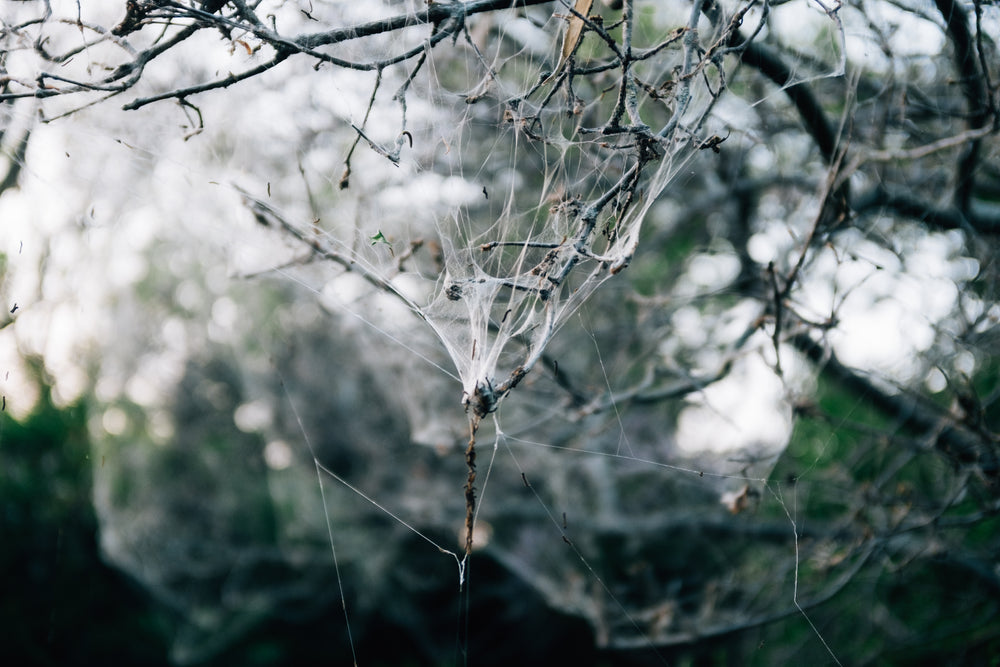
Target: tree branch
x=906 y=204
x=437 y=12
x=954 y=441
x=974 y=88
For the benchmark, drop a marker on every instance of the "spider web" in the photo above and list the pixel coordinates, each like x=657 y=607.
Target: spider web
x=493 y=294
x=442 y=227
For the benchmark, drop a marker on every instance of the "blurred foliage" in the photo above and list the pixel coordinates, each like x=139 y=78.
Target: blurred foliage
x=928 y=592
x=67 y=607
x=60 y=604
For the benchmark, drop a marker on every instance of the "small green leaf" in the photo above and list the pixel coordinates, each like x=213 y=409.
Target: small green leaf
x=380 y=238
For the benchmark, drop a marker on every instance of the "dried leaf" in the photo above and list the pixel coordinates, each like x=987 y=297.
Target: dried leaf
x=574 y=31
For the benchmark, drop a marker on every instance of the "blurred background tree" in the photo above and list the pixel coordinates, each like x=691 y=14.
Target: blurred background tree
x=737 y=262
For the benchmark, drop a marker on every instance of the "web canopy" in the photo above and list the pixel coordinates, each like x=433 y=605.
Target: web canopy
x=575 y=157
